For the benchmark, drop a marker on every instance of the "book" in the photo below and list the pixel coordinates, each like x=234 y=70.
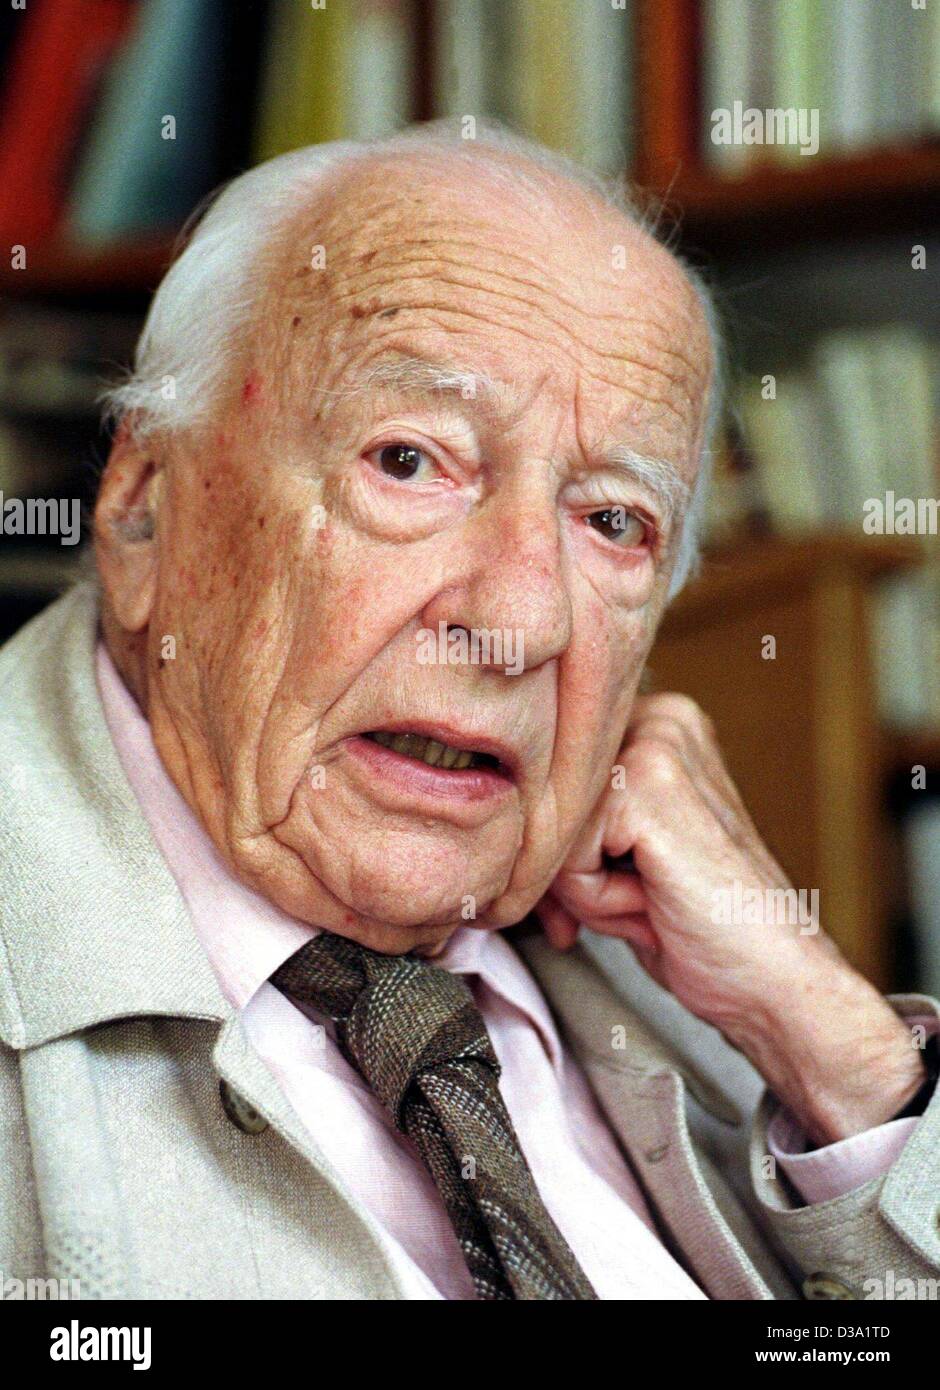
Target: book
x=897 y=97
x=842 y=363
x=148 y=156
x=460 y=66
x=558 y=73
x=795 y=61
x=784 y=437
x=902 y=621
x=380 y=69
x=56 y=64
x=928 y=68
x=728 y=62
x=541 y=88
x=904 y=386
x=602 y=131
x=341 y=72
x=853 y=67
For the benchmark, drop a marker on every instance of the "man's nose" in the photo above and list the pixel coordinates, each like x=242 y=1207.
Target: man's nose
x=509 y=576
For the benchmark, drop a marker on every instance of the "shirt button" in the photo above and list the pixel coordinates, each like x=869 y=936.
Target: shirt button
x=241 y=1114
x=827 y=1286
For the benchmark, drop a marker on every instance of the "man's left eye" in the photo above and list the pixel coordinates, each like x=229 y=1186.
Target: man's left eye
x=618 y=525
x=403 y=461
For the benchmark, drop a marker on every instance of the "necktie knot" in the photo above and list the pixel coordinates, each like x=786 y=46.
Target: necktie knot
x=397 y=1018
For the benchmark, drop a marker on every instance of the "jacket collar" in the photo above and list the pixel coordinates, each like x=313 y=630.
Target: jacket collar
x=93 y=926
x=606 y=1034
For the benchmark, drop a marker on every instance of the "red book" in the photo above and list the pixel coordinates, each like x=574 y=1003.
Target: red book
x=54 y=70
x=668 y=39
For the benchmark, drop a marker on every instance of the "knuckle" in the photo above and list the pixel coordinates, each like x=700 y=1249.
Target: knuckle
x=657 y=761
x=685 y=711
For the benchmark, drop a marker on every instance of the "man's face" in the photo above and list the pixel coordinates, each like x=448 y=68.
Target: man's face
x=343 y=508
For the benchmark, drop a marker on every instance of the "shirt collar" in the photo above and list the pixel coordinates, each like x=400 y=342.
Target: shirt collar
x=473 y=951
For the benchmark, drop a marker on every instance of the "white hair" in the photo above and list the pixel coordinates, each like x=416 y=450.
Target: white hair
x=204 y=308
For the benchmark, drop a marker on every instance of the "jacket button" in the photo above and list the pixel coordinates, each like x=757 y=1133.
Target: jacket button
x=241 y=1114
x=823 y=1286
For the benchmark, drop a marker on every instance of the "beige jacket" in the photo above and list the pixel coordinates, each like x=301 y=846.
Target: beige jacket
x=120 y=1168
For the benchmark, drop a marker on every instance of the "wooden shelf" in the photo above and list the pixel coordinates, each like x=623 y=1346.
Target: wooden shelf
x=825 y=194
x=127 y=267
x=758 y=570
x=875 y=190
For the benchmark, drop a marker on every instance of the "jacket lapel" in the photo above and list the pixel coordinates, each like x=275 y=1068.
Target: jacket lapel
x=641 y=1085
x=351 y=1224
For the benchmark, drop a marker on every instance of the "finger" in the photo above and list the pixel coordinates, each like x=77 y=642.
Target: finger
x=600 y=894
x=560 y=926
x=678 y=721
x=634 y=929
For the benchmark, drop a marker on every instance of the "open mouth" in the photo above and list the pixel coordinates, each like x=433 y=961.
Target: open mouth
x=434 y=754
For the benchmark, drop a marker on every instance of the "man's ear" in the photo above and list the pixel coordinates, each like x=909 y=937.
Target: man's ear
x=126 y=529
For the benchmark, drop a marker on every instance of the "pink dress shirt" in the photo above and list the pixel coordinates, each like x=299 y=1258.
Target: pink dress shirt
x=581 y=1173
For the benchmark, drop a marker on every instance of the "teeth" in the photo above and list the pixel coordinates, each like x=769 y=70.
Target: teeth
x=432 y=753
x=426 y=750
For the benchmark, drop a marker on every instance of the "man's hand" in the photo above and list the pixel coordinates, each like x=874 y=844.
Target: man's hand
x=826 y=1042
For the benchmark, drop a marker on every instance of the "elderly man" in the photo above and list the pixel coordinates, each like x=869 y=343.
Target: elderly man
x=274 y=792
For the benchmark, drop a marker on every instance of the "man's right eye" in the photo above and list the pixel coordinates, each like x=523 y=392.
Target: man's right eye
x=403 y=461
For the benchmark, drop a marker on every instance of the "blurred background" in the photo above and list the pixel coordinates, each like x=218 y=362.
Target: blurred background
x=811 y=636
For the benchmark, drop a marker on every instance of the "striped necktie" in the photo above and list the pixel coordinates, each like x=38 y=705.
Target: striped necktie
x=416 y=1037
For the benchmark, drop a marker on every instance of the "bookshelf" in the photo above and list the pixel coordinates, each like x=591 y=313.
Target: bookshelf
x=884 y=186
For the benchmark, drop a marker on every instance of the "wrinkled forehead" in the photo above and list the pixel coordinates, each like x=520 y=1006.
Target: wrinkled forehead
x=518 y=270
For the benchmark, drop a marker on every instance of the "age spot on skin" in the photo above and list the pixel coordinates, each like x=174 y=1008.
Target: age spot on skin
x=251 y=390
x=359 y=311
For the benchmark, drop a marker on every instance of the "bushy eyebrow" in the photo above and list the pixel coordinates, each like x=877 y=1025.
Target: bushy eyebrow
x=660 y=479
x=416 y=374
